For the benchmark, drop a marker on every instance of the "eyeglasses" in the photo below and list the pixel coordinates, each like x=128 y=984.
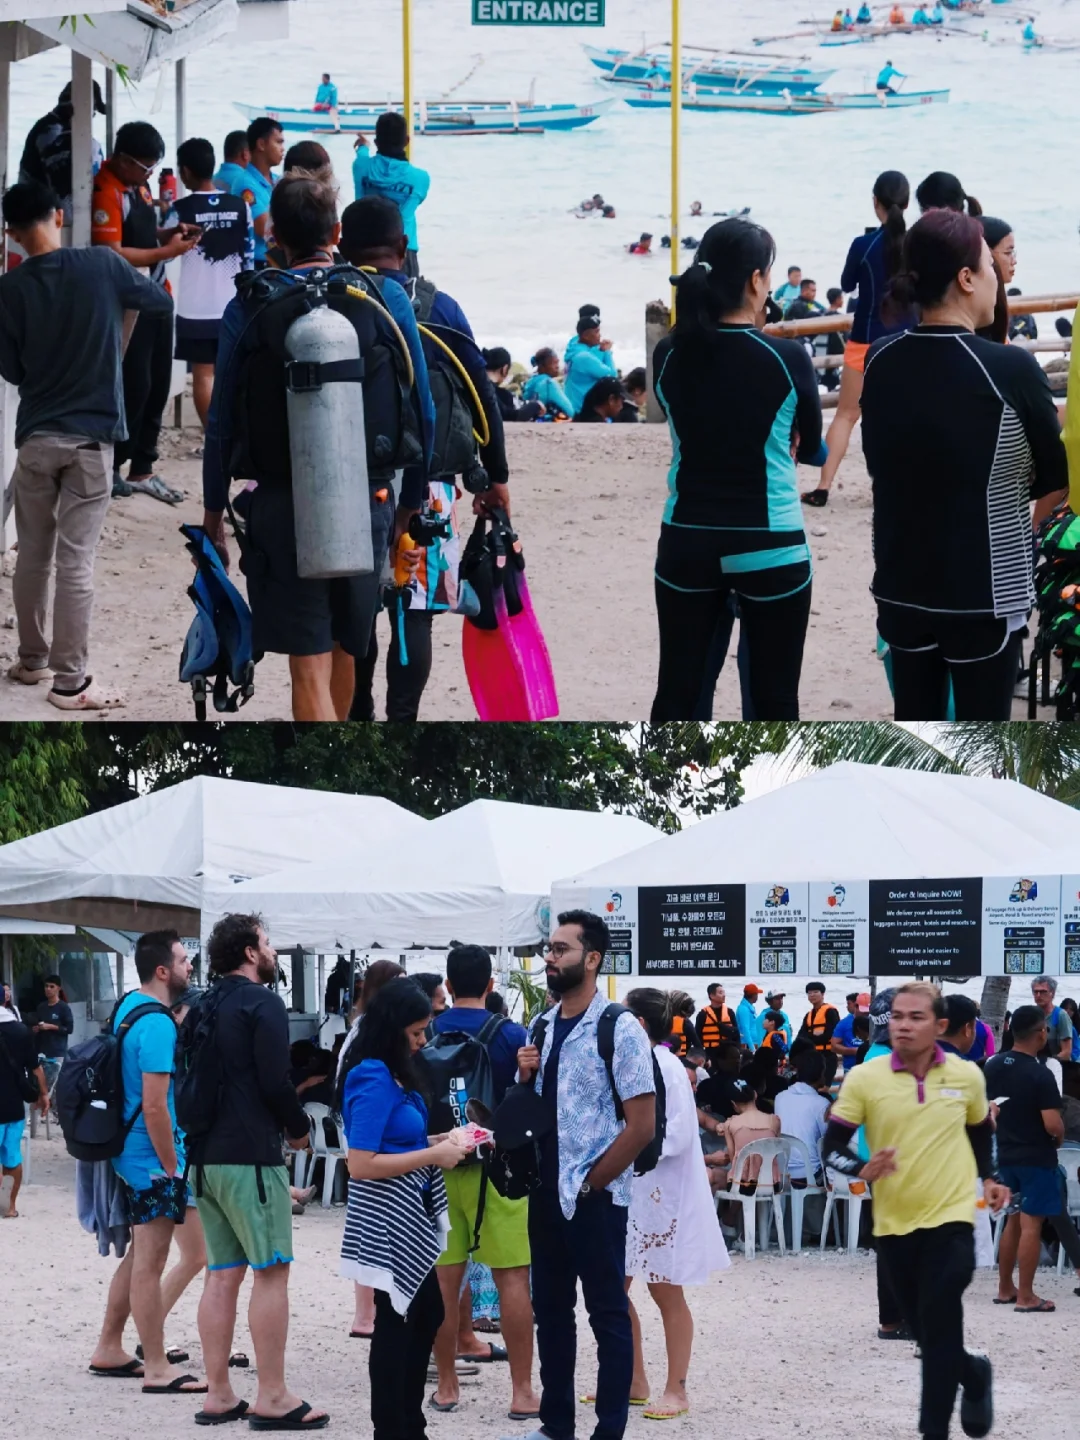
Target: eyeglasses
x=559 y=949
x=147 y=170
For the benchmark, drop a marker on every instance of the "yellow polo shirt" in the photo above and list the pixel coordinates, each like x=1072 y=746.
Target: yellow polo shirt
x=925 y=1122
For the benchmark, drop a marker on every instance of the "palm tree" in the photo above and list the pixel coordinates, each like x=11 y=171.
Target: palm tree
x=1043 y=756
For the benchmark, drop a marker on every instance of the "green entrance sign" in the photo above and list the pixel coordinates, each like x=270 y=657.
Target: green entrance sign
x=538 y=12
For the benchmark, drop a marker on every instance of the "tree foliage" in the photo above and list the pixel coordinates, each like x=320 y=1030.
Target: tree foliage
x=43 y=776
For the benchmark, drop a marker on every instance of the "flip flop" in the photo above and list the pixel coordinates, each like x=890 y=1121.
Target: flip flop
x=361 y=1334
x=238 y=1360
x=902 y=1334
x=156 y=488
x=130 y=1370
x=998 y=1301
x=443 y=1409
x=591 y=1400
x=523 y=1414
x=238 y=1411
x=495 y=1354
x=294 y=1420
x=1044 y=1307
x=665 y=1414
x=817 y=498
x=176 y=1386
x=25 y=676
x=174 y=1355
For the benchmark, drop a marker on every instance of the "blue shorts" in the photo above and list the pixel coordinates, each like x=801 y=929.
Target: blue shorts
x=11 y=1143
x=1038 y=1188
x=165 y=1199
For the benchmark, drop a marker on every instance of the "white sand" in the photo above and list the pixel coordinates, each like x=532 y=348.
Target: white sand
x=587 y=500
x=784 y=1347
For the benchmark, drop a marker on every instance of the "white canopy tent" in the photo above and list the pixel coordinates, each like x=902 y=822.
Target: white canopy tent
x=860 y=821
x=168 y=858
x=484 y=878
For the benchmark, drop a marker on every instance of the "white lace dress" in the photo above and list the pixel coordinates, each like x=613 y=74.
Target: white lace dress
x=673 y=1235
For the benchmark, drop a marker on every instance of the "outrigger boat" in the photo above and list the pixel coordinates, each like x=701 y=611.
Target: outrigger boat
x=710 y=70
x=442 y=117
x=817 y=104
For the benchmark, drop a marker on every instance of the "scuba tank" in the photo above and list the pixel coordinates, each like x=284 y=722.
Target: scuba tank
x=327 y=447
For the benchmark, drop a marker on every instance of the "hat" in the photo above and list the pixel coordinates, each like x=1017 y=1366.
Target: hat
x=751 y=991
x=99 y=103
x=775 y=995
x=881 y=1014
x=862 y=1002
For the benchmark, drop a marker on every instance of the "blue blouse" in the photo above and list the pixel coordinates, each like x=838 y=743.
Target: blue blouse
x=379 y=1115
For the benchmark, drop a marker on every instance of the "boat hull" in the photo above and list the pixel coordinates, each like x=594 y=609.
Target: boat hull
x=619 y=67
x=436 y=119
x=817 y=104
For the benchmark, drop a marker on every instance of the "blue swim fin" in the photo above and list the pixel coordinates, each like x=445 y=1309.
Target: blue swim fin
x=218 y=649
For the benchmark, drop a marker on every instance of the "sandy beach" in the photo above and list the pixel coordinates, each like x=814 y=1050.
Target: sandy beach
x=587 y=504
x=781 y=1343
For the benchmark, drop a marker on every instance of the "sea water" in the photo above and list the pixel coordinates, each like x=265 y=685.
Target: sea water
x=498 y=232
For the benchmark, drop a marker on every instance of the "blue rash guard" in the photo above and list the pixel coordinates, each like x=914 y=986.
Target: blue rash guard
x=326 y=95
x=549 y=392
x=887 y=75
x=585 y=365
x=864 y=270
x=407 y=185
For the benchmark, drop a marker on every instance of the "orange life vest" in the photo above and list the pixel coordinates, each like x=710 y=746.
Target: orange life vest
x=773 y=1038
x=815 y=1024
x=678 y=1035
x=711 y=1036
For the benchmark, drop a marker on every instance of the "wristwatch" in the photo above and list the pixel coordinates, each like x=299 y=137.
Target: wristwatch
x=585 y=1191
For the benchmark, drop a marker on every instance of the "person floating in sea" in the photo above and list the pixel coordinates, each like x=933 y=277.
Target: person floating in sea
x=896 y=15
x=886 y=75
x=326 y=95
x=864 y=17
x=641 y=246
x=695 y=208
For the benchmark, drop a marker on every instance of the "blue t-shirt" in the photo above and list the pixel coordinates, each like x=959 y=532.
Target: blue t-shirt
x=148 y=1048
x=407 y=185
x=253 y=186
x=326 y=95
x=502 y=1050
x=228 y=175
x=845 y=1033
x=379 y=1115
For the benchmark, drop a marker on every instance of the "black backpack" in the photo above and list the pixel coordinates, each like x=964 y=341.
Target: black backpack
x=459 y=1070
x=199 y=1072
x=90 y=1090
x=454 y=450
x=272 y=300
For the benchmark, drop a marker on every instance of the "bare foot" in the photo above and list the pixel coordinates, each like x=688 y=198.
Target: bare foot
x=104 y=1359
x=670 y=1404
x=220 y=1402
x=11 y=1214
x=526 y=1402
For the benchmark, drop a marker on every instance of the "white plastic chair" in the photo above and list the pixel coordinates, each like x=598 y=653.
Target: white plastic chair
x=840 y=1188
x=769 y=1195
x=331 y=1156
x=799 y=1150
x=1069 y=1160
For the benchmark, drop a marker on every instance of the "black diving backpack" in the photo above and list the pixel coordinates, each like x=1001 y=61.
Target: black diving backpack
x=454 y=449
x=272 y=300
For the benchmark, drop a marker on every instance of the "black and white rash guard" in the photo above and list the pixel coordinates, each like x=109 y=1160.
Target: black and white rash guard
x=959 y=434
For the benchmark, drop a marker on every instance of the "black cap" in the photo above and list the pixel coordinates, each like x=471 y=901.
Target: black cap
x=100 y=107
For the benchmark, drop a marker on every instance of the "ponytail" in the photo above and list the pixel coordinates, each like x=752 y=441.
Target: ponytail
x=728 y=257
x=893 y=194
x=936 y=249
x=942 y=191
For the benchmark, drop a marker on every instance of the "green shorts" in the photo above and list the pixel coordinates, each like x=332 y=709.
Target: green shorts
x=242 y=1226
x=504 y=1233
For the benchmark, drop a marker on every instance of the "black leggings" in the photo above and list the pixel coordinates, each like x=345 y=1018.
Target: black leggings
x=398 y=1361
x=147 y=381
x=982 y=689
x=774 y=632
x=404 y=683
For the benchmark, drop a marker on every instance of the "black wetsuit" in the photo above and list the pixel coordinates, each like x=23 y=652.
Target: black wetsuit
x=733 y=520
x=959 y=434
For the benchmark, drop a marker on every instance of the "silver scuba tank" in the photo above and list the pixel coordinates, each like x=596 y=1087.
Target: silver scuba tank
x=327 y=447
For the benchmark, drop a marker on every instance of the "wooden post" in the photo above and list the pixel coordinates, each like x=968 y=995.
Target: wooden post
x=110 y=109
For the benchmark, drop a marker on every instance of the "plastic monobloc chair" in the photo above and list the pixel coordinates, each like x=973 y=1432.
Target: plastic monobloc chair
x=769 y=1194
x=851 y=1192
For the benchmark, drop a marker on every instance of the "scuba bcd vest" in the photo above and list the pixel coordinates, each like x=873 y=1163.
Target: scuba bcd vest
x=272 y=300
x=454 y=449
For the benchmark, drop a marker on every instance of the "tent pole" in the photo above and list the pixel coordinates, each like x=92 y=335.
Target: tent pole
x=82 y=75
x=110 y=109
x=7 y=394
x=7 y=964
x=181 y=107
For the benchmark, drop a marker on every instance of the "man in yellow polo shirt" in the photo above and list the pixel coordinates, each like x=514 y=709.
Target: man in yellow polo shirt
x=929 y=1131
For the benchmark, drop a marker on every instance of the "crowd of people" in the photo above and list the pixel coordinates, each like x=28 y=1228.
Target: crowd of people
x=599 y=1145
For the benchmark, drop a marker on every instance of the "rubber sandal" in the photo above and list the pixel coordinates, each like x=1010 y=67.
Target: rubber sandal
x=156 y=488
x=130 y=1370
x=817 y=498
x=176 y=1387
x=902 y=1333
x=93 y=697
x=361 y=1334
x=443 y=1409
x=665 y=1414
x=523 y=1415
x=294 y=1420
x=174 y=1355
x=25 y=676
x=1044 y=1307
x=591 y=1400
x=495 y=1354
x=238 y=1411
x=120 y=488
x=238 y=1360
x=1013 y=1300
